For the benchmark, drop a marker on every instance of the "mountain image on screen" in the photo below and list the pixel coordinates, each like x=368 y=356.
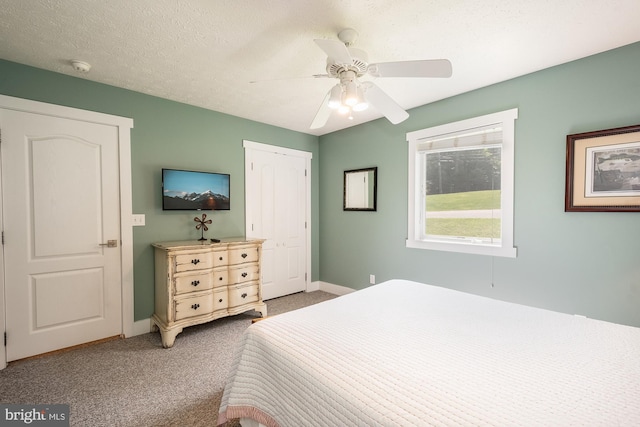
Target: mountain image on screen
x=206 y=201
x=191 y=190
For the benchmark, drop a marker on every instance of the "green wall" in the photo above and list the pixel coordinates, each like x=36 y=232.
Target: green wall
x=584 y=263
x=167 y=134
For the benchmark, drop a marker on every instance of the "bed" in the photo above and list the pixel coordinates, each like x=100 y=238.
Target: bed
x=402 y=353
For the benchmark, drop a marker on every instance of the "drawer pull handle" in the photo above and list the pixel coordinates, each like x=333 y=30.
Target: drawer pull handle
x=195 y=306
x=220 y=300
x=219 y=278
x=195 y=282
x=220 y=258
x=244 y=274
x=195 y=261
x=244 y=295
x=244 y=255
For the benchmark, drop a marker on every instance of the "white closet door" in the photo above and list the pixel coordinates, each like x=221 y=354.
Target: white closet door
x=277 y=186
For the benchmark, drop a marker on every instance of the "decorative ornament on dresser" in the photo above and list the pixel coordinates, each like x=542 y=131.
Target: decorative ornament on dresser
x=202 y=225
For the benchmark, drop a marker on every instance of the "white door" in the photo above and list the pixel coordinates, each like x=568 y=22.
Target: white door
x=277 y=210
x=60 y=206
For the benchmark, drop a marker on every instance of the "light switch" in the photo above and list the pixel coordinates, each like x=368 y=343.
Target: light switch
x=138 y=220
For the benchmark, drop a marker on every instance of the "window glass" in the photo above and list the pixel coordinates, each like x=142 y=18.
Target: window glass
x=462 y=197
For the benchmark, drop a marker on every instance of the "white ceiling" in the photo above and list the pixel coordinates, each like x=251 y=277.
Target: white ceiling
x=206 y=52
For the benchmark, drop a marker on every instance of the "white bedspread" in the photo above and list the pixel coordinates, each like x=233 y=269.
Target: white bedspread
x=408 y=354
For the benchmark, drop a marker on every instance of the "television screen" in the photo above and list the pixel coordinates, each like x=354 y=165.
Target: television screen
x=192 y=190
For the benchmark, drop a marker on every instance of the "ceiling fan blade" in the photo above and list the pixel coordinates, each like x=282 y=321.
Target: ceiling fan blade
x=323 y=113
x=335 y=50
x=422 y=68
x=384 y=103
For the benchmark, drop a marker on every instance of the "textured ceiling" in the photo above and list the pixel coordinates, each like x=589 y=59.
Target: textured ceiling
x=207 y=52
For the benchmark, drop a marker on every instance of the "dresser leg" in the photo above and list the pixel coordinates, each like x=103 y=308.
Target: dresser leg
x=169 y=336
x=262 y=309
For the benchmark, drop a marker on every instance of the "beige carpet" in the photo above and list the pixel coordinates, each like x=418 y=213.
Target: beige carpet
x=135 y=382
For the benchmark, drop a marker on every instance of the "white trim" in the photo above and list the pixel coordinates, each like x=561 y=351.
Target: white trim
x=506 y=249
x=124 y=125
x=275 y=149
x=335 y=289
x=313 y=286
x=251 y=145
x=142 y=327
x=3 y=327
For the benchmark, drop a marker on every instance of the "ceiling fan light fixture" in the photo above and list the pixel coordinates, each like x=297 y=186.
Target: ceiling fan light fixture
x=351 y=94
x=360 y=106
x=344 y=109
x=362 y=103
x=335 y=97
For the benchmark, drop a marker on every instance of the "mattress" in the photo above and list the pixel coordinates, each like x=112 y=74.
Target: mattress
x=402 y=353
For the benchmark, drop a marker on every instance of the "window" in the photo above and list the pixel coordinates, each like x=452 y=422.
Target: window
x=461 y=186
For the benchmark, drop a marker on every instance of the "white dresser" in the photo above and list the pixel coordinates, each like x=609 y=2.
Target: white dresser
x=196 y=282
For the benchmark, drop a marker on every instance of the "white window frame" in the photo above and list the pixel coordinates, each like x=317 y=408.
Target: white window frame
x=416 y=217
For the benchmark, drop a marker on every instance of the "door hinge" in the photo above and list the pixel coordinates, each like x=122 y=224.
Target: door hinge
x=2 y=237
x=305 y=172
x=5 y=339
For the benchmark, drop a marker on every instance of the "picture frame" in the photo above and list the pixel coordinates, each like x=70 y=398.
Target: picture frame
x=603 y=171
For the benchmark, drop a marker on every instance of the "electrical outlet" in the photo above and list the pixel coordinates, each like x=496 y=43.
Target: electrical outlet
x=372 y=279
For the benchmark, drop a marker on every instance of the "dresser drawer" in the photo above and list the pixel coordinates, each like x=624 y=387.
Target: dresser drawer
x=194 y=261
x=194 y=306
x=220 y=277
x=243 y=294
x=220 y=299
x=239 y=255
x=244 y=273
x=194 y=282
x=220 y=258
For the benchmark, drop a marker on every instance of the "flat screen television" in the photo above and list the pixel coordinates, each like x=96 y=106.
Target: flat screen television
x=192 y=190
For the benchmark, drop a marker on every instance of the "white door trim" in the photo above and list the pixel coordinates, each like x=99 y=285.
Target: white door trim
x=257 y=146
x=126 y=221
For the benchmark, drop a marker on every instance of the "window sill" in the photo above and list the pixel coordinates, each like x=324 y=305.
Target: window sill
x=468 y=248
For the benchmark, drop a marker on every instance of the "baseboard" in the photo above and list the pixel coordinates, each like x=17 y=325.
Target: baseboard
x=333 y=289
x=313 y=286
x=142 y=327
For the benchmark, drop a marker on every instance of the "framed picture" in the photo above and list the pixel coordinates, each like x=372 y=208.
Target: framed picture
x=603 y=171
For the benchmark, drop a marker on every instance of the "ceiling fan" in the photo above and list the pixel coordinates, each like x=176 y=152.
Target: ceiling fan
x=350 y=95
